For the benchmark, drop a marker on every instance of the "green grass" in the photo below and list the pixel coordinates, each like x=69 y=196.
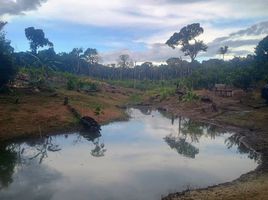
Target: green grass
x=135 y=99
x=143 y=84
x=163 y=92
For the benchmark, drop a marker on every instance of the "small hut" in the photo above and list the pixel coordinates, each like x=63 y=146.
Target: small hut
x=223 y=90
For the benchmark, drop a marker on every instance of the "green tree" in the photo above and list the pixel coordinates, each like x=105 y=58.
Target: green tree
x=261 y=51
x=37 y=39
x=91 y=56
x=76 y=54
x=7 y=69
x=186 y=38
x=261 y=59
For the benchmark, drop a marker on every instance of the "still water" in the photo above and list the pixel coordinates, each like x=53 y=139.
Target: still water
x=144 y=158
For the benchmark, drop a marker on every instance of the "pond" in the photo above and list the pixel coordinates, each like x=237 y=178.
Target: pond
x=149 y=156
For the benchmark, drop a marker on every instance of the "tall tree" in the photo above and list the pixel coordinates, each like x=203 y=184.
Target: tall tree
x=37 y=39
x=186 y=38
x=261 y=58
x=125 y=61
x=77 y=54
x=7 y=69
x=261 y=51
x=223 y=51
x=91 y=56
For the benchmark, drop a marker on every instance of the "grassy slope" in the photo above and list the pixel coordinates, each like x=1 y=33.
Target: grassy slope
x=40 y=112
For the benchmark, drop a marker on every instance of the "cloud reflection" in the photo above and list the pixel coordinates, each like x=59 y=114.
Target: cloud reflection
x=138 y=163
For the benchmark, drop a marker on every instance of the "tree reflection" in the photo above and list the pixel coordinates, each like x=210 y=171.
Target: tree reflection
x=182 y=146
x=99 y=149
x=94 y=137
x=236 y=141
x=146 y=110
x=192 y=129
x=190 y=132
x=8 y=161
x=42 y=147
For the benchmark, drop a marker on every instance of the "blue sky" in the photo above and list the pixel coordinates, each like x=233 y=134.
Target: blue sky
x=137 y=27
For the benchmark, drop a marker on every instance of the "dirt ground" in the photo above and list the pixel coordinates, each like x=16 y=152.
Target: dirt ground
x=42 y=112
x=253 y=187
x=245 y=114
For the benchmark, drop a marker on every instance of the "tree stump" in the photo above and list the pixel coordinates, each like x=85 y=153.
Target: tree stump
x=66 y=101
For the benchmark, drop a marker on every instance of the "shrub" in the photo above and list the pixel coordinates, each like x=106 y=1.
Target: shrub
x=190 y=96
x=72 y=84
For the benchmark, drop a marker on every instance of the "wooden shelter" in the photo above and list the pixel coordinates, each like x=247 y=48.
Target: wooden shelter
x=223 y=90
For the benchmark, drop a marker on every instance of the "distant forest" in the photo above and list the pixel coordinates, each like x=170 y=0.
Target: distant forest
x=242 y=72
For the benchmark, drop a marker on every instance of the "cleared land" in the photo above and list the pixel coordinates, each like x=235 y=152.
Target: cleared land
x=44 y=112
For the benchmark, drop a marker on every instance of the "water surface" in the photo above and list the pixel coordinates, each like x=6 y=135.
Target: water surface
x=146 y=157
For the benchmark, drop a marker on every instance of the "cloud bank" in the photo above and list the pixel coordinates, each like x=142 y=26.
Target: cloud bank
x=241 y=43
x=17 y=7
x=140 y=27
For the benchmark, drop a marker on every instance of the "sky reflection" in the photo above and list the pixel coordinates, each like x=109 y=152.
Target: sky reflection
x=137 y=162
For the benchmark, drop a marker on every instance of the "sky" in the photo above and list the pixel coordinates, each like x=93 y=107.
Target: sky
x=139 y=28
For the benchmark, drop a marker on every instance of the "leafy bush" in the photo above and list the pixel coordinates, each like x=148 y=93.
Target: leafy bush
x=89 y=86
x=74 y=83
x=190 y=96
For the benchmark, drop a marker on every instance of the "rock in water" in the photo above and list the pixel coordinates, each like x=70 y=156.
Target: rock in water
x=90 y=123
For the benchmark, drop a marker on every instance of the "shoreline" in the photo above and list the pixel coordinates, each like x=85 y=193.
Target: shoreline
x=254 y=138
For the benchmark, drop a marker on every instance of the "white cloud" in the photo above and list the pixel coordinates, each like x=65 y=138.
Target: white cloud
x=161 y=17
x=17 y=7
x=241 y=43
x=151 y=13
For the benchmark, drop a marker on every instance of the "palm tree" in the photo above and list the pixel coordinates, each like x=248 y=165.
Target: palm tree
x=223 y=51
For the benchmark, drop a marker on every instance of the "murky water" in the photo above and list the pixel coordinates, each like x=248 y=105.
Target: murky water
x=144 y=158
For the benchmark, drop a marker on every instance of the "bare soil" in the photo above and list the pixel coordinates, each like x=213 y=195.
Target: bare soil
x=44 y=113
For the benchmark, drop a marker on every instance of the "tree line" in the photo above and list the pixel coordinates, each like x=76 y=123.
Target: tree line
x=240 y=72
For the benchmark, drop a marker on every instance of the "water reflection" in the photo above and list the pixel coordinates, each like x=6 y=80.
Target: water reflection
x=38 y=149
x=236 y=140
x=135 y=167
x=42 y=147
x=182 y=146
x=189 y=133
x=94 y=137
x=8 y=161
